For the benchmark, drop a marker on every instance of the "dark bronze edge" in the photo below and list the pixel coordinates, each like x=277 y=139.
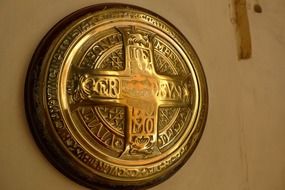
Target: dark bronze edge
x=50 y=150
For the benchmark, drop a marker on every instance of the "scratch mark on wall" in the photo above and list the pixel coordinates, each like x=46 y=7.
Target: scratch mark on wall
x=243 y=153
x=241 y=22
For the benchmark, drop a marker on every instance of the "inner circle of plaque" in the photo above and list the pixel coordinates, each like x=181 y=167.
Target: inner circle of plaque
x=100 y=83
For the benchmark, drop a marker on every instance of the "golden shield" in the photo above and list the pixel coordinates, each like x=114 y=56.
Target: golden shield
x=116 y=97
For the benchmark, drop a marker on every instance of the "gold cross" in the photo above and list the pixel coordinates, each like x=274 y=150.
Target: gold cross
x=139 y=88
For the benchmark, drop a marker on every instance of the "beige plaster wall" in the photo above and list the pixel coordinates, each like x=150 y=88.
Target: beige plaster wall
x=243 y=146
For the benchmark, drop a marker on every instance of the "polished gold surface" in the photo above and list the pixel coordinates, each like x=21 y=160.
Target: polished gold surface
x=116 y=97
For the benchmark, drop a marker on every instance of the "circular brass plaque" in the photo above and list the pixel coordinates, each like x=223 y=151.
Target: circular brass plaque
x=116 y=97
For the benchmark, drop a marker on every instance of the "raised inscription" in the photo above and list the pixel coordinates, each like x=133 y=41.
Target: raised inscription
x=139 y=88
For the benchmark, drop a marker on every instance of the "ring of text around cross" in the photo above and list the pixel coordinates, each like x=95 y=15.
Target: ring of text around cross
x=116 y=97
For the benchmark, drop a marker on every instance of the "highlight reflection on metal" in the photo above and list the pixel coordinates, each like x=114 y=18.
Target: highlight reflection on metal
x=116 y=97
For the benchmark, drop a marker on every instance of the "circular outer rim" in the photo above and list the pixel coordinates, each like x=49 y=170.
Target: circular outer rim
x=46 y=141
